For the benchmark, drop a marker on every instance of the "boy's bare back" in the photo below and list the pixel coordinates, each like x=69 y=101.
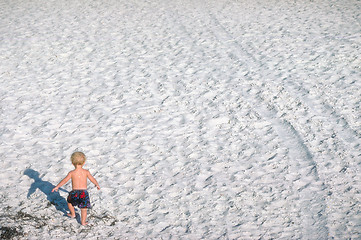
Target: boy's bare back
x=79 y=178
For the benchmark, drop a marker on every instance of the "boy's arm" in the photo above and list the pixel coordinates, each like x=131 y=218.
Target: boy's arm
x=92 y=179
x=62 y=182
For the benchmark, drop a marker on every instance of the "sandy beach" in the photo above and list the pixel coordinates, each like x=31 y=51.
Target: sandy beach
x=219 y=119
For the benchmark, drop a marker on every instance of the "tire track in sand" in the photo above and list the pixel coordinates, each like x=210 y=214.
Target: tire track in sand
x=309 y=185
x=328 y=129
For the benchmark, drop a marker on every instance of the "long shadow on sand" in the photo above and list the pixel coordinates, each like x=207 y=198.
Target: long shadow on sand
x=53 y=197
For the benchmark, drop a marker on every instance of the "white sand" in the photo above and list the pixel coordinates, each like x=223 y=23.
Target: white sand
x=221 y=119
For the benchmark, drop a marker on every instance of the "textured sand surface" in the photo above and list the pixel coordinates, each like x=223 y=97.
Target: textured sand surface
x=223 y=119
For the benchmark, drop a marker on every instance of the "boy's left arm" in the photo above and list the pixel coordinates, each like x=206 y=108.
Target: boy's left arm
x=92 y=179
x=62 y=182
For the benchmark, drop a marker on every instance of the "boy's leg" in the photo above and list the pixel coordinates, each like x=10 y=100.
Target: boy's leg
x=83 y=216
x=72 y=210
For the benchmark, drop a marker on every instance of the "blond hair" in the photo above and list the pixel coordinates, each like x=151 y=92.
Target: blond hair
x=78 y=158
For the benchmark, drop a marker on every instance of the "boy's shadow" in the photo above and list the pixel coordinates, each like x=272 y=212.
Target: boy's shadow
x=53 y=197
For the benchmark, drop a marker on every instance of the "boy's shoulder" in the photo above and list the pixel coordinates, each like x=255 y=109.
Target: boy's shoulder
x=77 y=171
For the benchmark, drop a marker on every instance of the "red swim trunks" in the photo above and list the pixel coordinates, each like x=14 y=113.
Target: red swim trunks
x=79 y=198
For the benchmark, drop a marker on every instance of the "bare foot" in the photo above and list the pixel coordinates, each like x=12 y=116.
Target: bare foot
x=69 y=215
x=84 y=224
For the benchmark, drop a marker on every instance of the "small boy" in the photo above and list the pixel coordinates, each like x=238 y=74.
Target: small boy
x=79 y=195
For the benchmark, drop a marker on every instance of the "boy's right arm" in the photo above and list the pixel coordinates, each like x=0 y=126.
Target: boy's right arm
x=62 y=182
